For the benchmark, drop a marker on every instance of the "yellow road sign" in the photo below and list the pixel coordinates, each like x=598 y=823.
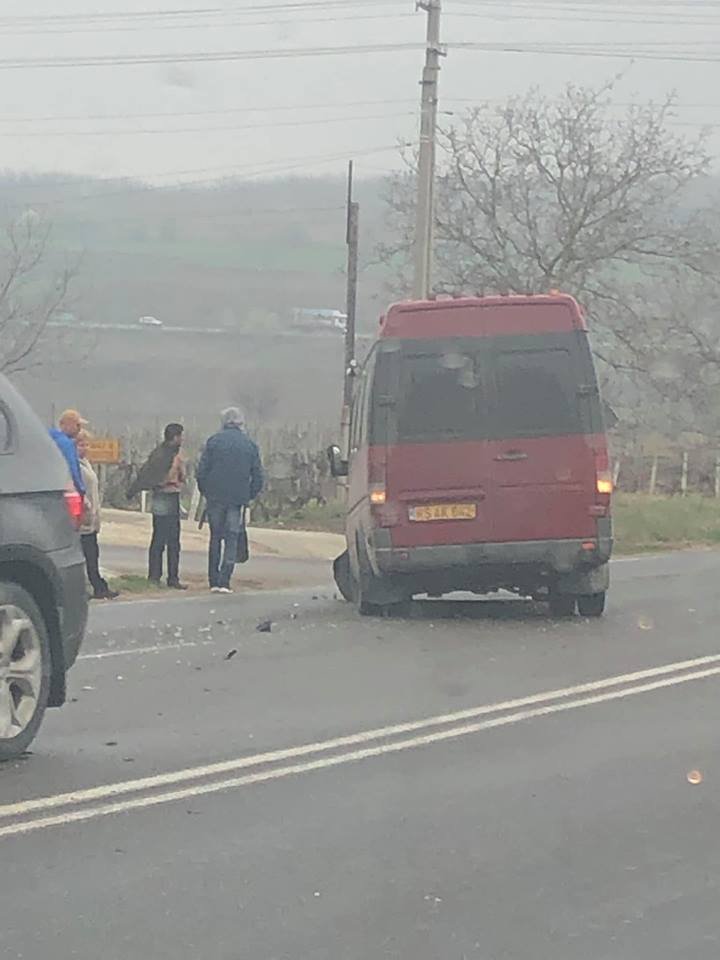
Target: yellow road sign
x=104 y=450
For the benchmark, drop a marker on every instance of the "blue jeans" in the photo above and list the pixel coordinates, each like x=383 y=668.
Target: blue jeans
x=225 y=526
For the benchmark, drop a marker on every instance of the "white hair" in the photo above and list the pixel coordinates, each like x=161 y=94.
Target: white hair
x=232 y=417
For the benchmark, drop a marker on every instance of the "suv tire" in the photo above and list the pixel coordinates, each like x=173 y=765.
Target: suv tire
x=24 y=670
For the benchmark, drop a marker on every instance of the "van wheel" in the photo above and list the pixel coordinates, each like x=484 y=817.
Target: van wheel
x=376 y=597
x=562 y=605
x=24 y=670
x=342 y=573
x=592 y=605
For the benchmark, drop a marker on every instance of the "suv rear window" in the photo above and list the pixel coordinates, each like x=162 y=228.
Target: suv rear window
x=483 y=388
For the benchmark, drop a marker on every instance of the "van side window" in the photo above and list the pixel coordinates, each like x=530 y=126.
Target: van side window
x=536 y=393
x=357 y=412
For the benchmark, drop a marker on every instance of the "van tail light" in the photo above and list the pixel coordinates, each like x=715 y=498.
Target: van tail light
x=384 y=512
x=603 y=476
x=75 y=506
x=378 y=496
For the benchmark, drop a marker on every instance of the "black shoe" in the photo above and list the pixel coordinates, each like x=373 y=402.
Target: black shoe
x=106 y=594
x=176 y=585
x=154 y=582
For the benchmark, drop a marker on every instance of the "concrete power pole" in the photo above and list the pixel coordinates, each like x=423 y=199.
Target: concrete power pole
x=426 y=158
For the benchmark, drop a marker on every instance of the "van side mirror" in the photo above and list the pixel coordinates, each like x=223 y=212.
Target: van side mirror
x=338 y=466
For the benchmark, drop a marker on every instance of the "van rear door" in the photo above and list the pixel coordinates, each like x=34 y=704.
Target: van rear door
x=430 y=410
x=545 y=415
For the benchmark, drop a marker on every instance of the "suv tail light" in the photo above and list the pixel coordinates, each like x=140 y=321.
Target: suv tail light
x=75 y=506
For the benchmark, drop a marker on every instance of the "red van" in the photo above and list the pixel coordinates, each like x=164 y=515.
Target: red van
x=478 y=458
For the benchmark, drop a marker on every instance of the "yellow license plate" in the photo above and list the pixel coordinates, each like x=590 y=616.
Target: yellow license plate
x=444 y=511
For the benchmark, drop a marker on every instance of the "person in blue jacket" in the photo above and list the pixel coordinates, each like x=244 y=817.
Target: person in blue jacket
x=229 y=476
x=69 y=426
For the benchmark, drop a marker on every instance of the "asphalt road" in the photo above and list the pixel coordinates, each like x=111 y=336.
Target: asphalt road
x=477 y=781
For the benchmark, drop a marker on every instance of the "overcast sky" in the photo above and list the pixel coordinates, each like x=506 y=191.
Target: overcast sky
x=308 y=114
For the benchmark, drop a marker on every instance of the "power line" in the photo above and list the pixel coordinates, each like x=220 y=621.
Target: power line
x=273 y=108
x=63 y=29
x=582 y=50
x=139 y=131
x=219 y=56
x=295 y=107
x=172 y=13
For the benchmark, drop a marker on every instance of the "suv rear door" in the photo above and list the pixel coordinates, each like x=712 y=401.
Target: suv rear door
x=545 y=409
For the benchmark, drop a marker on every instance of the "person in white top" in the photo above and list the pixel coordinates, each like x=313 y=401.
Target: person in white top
x=90 y=526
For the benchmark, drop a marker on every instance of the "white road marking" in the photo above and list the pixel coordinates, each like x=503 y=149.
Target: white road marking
x=278 y=773
x=156 y=648
x=108 y=791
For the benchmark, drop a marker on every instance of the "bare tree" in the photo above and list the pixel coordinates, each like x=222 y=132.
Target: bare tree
x=541 y=194
x=569 y=194
x=30 y=291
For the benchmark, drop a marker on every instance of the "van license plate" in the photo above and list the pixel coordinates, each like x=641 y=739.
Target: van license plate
x=444 y=511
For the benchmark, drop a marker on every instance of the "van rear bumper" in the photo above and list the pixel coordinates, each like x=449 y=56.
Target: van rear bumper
x=529 y=560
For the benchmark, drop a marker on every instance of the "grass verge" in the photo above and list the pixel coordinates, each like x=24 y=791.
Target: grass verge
x=325 y=518
x=644 y=523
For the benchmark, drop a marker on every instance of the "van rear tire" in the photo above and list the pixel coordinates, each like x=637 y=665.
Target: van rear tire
x=592 y=605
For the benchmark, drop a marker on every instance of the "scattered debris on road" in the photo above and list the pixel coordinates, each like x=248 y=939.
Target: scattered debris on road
x=265 y=626
x=230 y=654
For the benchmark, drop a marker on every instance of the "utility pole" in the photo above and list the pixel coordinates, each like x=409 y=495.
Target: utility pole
x=426 y=156
x=351 y=239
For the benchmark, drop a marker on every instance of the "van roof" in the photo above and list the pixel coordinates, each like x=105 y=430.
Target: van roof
x=483 y=316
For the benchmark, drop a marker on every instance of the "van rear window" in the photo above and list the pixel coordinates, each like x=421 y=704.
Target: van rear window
x=537 y=393
x=483 y=388
x=440 y=395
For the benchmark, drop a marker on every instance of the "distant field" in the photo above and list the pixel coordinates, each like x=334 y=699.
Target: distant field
x=138 y=380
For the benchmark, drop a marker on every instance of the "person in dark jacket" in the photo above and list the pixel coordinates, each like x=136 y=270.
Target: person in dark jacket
x=229 y=476
x=164 y=473
x=69 y=426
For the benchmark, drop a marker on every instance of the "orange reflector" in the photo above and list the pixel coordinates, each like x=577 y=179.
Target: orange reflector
x=589 y=545
x=604 y=485
x=377 y=497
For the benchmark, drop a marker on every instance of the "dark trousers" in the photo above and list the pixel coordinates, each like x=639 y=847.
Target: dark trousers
x=91 y=551
x=165 y=536
x=225 y=526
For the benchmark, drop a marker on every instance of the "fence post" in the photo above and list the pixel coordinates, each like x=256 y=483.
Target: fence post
x=616 y=473
x=143 y=501
x=717 y=475
x=653 y=476
x=684 y=476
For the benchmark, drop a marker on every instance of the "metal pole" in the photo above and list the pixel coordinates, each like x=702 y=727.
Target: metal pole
x=653 y=476
x=352 y=237
x=352 y=240
x=426 y=155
